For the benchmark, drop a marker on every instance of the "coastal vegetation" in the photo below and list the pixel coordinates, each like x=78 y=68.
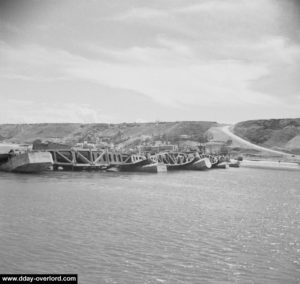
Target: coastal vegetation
x=123 y=134
x=280 y=134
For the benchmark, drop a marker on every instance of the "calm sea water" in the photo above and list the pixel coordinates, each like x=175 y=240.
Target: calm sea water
x=221 y=226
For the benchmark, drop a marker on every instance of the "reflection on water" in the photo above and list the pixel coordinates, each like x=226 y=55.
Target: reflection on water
x=221 y=226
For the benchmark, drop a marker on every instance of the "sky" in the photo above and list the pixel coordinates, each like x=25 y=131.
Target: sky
x=139 y=61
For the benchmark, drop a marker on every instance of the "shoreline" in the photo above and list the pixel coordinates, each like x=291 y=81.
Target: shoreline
x=270 y=164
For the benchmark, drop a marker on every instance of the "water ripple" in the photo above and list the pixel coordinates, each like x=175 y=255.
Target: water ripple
x=231 y=226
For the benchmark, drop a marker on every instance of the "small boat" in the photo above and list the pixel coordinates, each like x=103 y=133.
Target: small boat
x=27 y=162
x=219 y=161
x=234 y=164
x=200 y=164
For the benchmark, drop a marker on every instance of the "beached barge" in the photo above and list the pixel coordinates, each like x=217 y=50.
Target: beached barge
x=94 y=159
x=26 y=162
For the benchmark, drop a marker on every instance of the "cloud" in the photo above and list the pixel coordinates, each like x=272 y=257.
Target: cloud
x=189 y=7
x=173 y=80
x=34 y=62
x=170 y=74
x=20 y=111
x=140 y=13
x=179 y=54
x=216 y=6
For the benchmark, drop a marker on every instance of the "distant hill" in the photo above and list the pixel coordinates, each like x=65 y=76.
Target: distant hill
x=123 y=134
x=281 y=134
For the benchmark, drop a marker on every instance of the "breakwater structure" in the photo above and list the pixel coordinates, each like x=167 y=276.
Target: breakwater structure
x=107 y=160
x=94 y=159
x=102 y=159
x=25 y=162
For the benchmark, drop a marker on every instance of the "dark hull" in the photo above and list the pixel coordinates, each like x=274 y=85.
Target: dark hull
x=4 y=158
x=200 y=165
x=183 y=166
x=235 y=164
x=132 y=167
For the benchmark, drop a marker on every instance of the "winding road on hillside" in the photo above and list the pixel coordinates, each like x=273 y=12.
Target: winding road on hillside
x=228 y=132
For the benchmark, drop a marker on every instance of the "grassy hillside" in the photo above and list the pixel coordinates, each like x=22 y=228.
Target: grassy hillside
x=283 y=134
x=71 y=133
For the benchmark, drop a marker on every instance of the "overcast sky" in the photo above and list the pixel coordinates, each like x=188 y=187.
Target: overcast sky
x=138 y=60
